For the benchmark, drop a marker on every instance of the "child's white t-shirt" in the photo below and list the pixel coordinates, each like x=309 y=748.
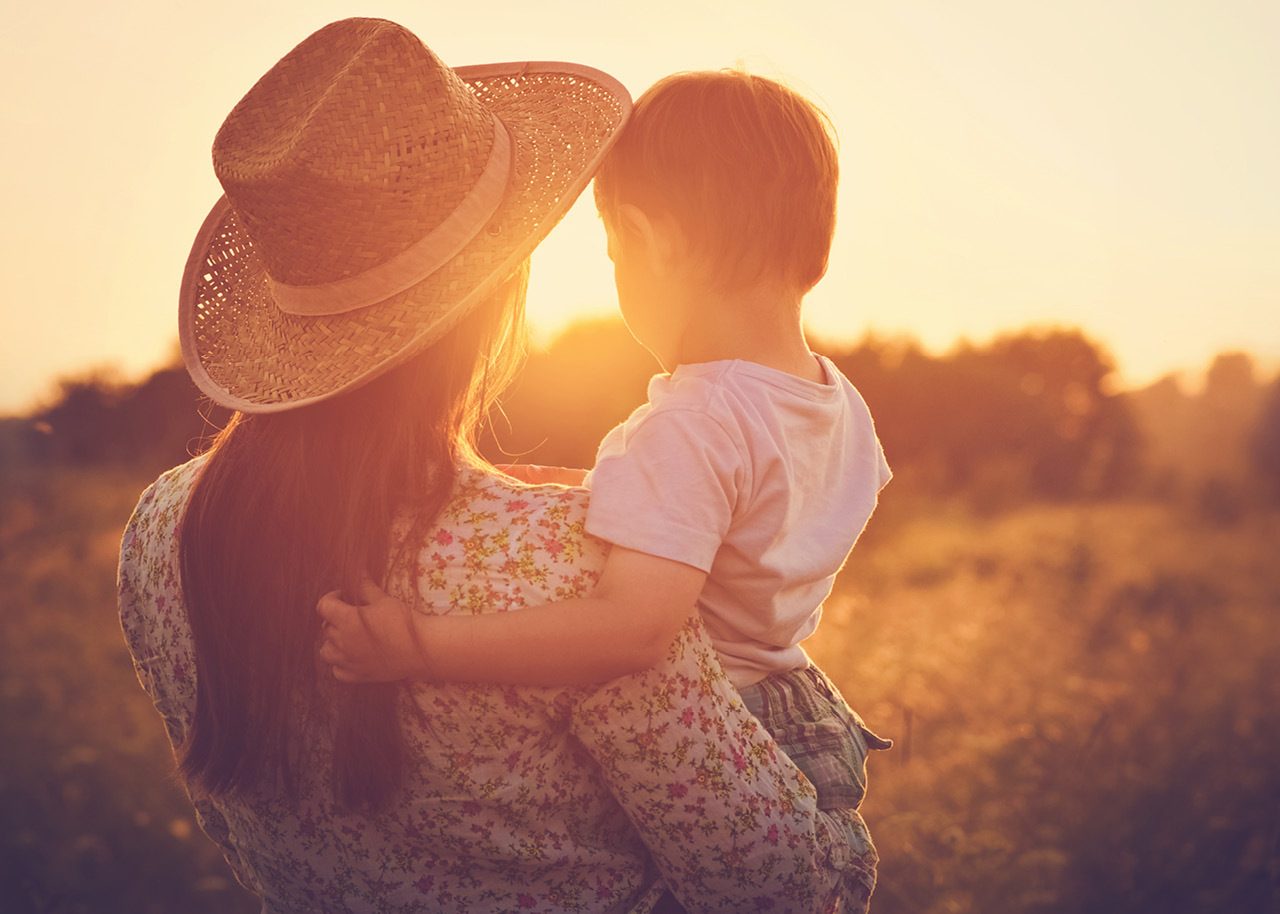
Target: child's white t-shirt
x=760 y=478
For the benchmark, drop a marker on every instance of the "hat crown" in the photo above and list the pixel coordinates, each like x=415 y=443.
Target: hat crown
x=354 y=146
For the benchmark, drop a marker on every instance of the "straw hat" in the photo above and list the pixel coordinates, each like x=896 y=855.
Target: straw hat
x=372 y=197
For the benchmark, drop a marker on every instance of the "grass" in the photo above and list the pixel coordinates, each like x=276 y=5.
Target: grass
x=1085 y=703
x=1083 y=697
x=91 y=818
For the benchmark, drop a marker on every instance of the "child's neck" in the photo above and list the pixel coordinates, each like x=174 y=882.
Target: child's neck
x=755 y=325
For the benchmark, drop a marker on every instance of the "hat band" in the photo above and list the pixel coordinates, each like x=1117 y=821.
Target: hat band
x=417 y=262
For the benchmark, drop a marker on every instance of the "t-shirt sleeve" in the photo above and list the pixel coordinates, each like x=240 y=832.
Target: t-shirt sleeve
x=882 y=466
x=667 y=487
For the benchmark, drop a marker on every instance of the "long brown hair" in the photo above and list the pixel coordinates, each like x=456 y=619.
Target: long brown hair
x=293 y=504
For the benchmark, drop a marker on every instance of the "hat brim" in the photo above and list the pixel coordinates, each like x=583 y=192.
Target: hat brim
x=247 y=354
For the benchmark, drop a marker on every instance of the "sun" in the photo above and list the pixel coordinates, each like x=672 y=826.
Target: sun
x=571 y=276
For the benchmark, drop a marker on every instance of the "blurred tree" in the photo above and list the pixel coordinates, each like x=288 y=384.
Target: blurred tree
x=1200 y=444
x=168 y=418
x=1227 y=414
x=1165 y=415
x=1028 y=415
x=95 y=420
x=1265 y=445
x=76 y=428
x=1080 y=438
x=15 y=441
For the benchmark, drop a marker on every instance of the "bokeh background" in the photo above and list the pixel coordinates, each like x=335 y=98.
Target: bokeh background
x=1055 y=281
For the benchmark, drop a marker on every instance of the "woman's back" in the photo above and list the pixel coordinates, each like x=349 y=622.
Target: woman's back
x=514 y=798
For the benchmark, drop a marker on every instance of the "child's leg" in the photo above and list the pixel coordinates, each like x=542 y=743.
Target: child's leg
x=829 y=742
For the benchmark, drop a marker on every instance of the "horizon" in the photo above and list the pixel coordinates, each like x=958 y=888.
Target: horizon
x=1190 y=381
x=1113 y=170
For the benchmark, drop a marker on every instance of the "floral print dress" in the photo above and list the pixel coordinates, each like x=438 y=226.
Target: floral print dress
x=516 y=799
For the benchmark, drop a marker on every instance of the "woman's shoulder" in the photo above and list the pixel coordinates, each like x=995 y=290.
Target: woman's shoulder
x=160 y=507
x=500 y=544
x=491 y=488
x=149 y=596
x=491 y=501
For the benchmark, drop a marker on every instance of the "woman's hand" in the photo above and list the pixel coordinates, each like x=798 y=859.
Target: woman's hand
x=371 y=642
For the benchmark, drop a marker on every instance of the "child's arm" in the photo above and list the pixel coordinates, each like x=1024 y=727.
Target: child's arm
x=626 y=625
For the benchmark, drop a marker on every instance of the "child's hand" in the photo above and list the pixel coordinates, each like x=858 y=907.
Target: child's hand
x=373 y=642
x=537 y=475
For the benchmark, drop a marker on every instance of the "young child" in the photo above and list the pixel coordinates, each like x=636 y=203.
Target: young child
x=742 y=484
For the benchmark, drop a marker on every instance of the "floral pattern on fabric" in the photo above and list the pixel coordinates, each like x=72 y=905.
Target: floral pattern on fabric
x=516 y=799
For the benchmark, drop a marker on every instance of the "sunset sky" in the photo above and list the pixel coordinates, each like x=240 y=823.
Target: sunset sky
x=1112 y=165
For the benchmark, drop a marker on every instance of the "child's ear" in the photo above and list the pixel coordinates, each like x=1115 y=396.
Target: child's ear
x=634 y=225
x=657 y=239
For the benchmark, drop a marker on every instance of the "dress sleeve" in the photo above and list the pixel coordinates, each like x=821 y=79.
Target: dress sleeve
x=162 y=653
x=730 y=821
x=667 y=487
x=214 y=824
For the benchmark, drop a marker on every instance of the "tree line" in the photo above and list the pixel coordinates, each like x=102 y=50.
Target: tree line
x=1032 y=414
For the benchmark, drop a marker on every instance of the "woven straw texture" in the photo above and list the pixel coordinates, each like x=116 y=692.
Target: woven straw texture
x=354 y=182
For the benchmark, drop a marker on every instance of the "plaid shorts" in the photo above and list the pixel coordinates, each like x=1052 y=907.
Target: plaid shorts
x=829 y=742
x=827 y=739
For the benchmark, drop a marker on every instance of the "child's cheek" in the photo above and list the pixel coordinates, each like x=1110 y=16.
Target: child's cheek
x=633 y=295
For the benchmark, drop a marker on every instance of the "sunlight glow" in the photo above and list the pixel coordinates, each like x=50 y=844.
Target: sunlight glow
x=1092 y=164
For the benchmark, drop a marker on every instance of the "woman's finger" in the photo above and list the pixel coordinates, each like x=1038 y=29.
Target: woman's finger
x=330 y=606
x=370 y=592
x=330 y=653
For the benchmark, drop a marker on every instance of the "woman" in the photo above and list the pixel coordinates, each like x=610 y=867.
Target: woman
x=356 y=296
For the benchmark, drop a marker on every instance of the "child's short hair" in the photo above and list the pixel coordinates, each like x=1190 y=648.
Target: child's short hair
x=746 y=167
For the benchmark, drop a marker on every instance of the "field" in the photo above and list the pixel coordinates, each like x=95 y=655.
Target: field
x=1083 y=695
